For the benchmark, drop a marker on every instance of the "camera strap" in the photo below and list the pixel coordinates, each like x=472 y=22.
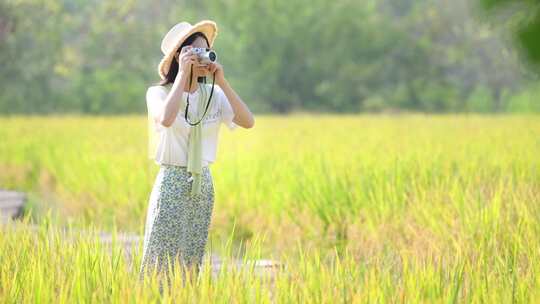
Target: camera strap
x=207 y=103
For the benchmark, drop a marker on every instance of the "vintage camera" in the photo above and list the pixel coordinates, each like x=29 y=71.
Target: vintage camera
x=205 y=55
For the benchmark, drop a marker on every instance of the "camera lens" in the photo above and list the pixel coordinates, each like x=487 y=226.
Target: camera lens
x=212 y=56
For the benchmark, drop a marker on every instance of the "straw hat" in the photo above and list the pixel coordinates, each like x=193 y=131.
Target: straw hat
x=177 y=34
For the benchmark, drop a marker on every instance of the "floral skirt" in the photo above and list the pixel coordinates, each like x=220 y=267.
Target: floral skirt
x=177 y=223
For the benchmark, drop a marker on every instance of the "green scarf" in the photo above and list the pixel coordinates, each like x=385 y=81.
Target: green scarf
x=194 y=164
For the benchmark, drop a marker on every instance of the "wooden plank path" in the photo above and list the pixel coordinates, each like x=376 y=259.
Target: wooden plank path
x=12 y=205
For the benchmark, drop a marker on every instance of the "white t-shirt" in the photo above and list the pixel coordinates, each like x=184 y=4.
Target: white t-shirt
x=172 y=141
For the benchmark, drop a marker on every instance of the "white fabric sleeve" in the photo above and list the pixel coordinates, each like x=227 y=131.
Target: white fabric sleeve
x=155 y=100
x=227 y=112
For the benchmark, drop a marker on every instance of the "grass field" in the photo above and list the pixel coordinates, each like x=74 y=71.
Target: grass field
x=364 y=208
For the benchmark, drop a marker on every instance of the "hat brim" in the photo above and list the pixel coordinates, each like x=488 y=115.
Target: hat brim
x=207 y=27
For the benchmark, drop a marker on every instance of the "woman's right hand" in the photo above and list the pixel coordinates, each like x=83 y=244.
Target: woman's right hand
x=186 y=59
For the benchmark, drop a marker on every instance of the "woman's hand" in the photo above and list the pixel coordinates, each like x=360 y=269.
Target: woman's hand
x=218 y=68
x=186 y=59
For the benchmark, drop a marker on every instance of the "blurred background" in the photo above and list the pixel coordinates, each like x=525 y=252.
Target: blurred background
x=282 y=56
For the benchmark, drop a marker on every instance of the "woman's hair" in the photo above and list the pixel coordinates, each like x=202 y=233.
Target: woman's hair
x=173 y=69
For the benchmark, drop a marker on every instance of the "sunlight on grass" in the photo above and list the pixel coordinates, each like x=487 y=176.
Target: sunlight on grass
x=360 y=208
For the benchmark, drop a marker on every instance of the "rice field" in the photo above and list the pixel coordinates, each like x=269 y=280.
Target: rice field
x=361 y=208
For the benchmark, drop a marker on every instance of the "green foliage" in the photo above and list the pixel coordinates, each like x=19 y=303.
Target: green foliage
x=525 y=21
x=525 y=101
x=281 y=56
x=480 y=100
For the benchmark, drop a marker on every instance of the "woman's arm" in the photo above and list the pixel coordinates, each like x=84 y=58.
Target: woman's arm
x=242 y=115
x=172 y=103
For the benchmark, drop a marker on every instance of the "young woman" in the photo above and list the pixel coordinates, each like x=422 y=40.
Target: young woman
x=185 y=114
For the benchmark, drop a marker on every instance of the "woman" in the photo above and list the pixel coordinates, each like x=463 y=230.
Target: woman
x=185 y=114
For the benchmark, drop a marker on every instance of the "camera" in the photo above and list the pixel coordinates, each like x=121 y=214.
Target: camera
x=205 y=55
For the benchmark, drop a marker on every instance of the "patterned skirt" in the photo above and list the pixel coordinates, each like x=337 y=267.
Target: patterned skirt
x=177 y=223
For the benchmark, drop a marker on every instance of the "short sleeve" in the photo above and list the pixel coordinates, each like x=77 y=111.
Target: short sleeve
x=227 y=112
x=154 y=100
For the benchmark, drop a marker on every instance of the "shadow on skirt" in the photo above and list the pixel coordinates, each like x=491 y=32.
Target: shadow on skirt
x=177 y=224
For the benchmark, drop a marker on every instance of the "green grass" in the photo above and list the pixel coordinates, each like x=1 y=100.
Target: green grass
x=364 y=208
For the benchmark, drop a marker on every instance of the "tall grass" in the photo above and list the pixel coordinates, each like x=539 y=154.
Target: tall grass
x=42 y=266
x=416 y=208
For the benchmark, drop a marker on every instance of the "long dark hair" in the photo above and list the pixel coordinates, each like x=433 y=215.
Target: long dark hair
x=173 y=69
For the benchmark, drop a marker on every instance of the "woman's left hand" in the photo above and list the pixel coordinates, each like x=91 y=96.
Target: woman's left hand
x=218 y=68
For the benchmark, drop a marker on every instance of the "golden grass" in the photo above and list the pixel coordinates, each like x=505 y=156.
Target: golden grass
x=420 y=208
